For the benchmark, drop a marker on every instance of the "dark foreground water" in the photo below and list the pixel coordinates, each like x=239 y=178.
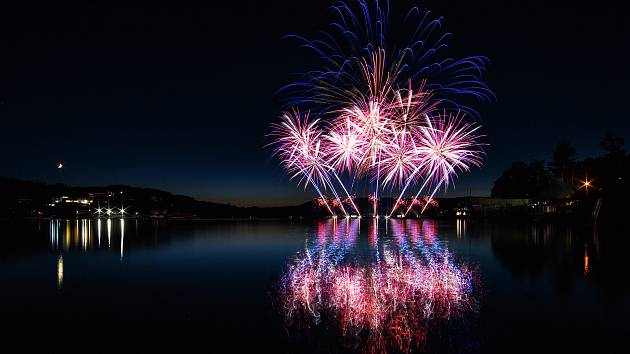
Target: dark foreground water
x=346 y=286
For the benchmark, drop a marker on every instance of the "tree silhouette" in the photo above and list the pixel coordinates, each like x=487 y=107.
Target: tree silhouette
x=523 y=181
x=613 y=145
x=563 y=161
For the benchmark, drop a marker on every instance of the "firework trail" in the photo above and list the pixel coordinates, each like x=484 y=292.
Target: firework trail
x=389 y=117
x=360 y=65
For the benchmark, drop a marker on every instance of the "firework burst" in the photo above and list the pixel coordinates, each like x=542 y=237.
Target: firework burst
x=387 y=118
x=359 y=64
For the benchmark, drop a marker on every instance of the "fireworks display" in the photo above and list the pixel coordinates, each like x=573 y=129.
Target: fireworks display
x=390 y=297
x=388 y=117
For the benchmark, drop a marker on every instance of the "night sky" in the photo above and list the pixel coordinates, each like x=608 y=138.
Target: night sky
x=180 y=97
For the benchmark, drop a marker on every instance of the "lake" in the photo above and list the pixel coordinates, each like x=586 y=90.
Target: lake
x=343 y=286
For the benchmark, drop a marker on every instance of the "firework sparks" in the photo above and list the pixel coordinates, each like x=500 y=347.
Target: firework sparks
x=387 y=119
x=356 y=66
x=298 y=143
x=449 y=145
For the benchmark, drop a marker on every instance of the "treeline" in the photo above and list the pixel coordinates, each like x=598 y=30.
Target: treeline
x=605 y=177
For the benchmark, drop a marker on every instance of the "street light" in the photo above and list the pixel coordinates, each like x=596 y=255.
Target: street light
x=586 y=184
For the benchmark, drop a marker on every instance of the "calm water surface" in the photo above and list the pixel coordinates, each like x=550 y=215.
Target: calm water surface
x=344 y=286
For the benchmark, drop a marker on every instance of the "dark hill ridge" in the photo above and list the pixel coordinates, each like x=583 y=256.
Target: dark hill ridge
x=30 y=199
x=23 y=198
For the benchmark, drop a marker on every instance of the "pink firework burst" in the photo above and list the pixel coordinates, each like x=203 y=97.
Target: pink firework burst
x=372 y=123
x=448 y=145
x=298 y=145
x=349 y=200
x=430 y=201
x=379 y=103
x=321 y=202
x=416 y=201
x=399 y=159
x=344 y=146
x=409 y=108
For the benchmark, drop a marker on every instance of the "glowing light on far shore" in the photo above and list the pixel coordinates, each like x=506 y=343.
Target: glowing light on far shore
x=586 y=183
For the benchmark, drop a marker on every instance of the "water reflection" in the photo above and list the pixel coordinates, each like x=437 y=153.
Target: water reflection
x=374 y=286
x=109 y=233
x=554 y=248
x=386 y=296
x=585 y=260
x=122 y=237
x=59 y=272
x=460 y=227
x=68 y=235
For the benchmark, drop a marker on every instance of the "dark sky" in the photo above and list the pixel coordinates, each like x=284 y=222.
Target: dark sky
x=180 y=97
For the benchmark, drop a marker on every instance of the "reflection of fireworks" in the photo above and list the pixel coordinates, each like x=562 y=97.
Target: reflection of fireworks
x=390 y=303
x=378 y=109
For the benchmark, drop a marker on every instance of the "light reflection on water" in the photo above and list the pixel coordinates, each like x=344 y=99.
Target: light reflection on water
x=68 y=235
x=59 y=272
x=386 y=296
x=350 y=286
x=79 y=234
